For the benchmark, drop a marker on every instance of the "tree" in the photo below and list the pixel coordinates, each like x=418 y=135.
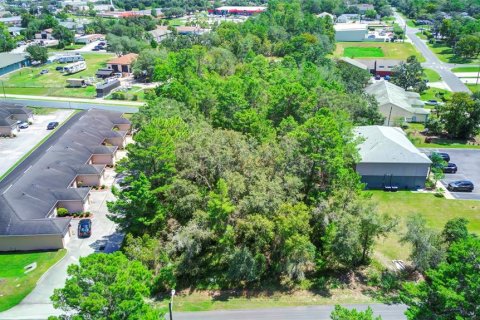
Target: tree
x=38 y=53
x=144 y=66
x=371 y=13
x=450 y=290
x=468 y=46
x=106 y=286
x=461 y=115
x=64 y=36
x=7 y=42
x=341 y=313
x=409 y=75
x=437 y=166
x=427 y=251
x=354 y=78
x=455 y=230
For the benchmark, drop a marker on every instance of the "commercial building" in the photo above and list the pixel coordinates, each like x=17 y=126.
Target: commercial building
x=12 y=21
x=237 y=10
x=61 y=177
x=123 y=63
x=13 y=61
x=350 y=31
x=396 y=104
x=381 y=67
x=389 y=159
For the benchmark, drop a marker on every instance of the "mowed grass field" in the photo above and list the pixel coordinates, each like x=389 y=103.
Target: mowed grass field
x=14 y=283
x=373 y=50
x=437 y=212
x=28 y=81
x=432 y=75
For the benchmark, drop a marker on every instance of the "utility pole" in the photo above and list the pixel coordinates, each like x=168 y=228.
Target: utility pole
x=5 y=96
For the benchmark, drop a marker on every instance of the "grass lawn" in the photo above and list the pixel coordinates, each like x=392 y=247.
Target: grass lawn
x=445 y=54
x=28 y=81
x=359 y=52
x=421 y=35
x=432 y=75
x=466 y=69
x=474 y=87
x=15 y=284
x=203 y=301
x=433 y=94
x=418 y=139
x=437 y=211
x=390 y=50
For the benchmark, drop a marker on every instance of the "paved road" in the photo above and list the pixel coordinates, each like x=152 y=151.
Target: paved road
x=22 y=167
x=387 y=312
x=432 y=60
x=72 y=103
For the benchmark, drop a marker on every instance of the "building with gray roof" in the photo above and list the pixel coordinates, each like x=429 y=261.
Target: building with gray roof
x=388 y=158
x=10 y=113
x=396 y=104
x=13 y=61
x=59 y=178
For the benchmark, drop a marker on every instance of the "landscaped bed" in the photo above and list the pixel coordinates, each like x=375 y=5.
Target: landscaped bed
x=15 y=284
x=420 y=140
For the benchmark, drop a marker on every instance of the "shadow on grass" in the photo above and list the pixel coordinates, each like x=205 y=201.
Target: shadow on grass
x=449 y=51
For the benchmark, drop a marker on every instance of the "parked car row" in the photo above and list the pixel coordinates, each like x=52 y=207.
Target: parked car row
x=458 y=185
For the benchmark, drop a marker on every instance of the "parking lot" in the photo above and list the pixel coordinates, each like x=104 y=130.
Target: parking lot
x=468 y=163
x=13 y=149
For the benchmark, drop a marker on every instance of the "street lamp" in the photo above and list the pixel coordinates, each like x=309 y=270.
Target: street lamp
x=170 y=304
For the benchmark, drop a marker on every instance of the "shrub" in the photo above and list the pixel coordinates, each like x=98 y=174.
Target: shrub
x=429 y=184
x=118 y=95
x=135 y=97
x=62 y=212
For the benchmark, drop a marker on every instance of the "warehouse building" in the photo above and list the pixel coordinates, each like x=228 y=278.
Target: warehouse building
x=13 y=61
x=389 y=159
x=350 y=32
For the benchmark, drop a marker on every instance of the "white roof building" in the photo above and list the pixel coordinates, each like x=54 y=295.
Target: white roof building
x=388 y=158
x=396 y=104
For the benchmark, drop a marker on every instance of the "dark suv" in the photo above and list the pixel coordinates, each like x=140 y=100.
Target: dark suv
x=52 y=125
x=461 y=185
x=84 y=228
x=443 y=155
x=450 y=168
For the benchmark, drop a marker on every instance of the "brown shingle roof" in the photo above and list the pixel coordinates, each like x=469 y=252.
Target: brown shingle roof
x=125 y=59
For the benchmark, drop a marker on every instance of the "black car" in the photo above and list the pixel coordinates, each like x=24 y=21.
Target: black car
x=52 y=125
x=450 y=168
x=84 y=228
x=378 y=77
x=461 y=185
x=59 y=68
x=443 y=155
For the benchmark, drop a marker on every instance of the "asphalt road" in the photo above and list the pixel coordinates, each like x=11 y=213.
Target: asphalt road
x=468 y=163
x=387 y=312
x=432 y=60
x=71 y=105
x=22 y=167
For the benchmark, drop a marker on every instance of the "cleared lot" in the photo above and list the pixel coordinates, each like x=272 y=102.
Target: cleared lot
x=13 y=149
x=468 y=163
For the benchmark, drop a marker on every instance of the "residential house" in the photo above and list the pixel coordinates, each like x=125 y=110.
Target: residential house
x=350 y=31
x=46 y=34
x=8 y=125
x=17 y=111
x=389 y=159
x=61 y=177
x=348 y=18
x=13 y=61
x=123 y=63
x=160 y=33
x=15 y=21
x=354 y=63
x=191 y=30
x=364 y=7
x=396 y=104
x=89 y=38
x=15 y=31
x=381 y=67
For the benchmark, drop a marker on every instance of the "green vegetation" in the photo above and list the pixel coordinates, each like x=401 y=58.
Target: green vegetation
x=204 y=301
x=436 y=94
x=28 y=81
x=432 y=75
x=418 y=139
x=106 y=286
x=437 y=211
x=446 y=54
x=362 y=52
x=390 y=50
x=15 y=283
x=421 y=35
x=466 y=69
